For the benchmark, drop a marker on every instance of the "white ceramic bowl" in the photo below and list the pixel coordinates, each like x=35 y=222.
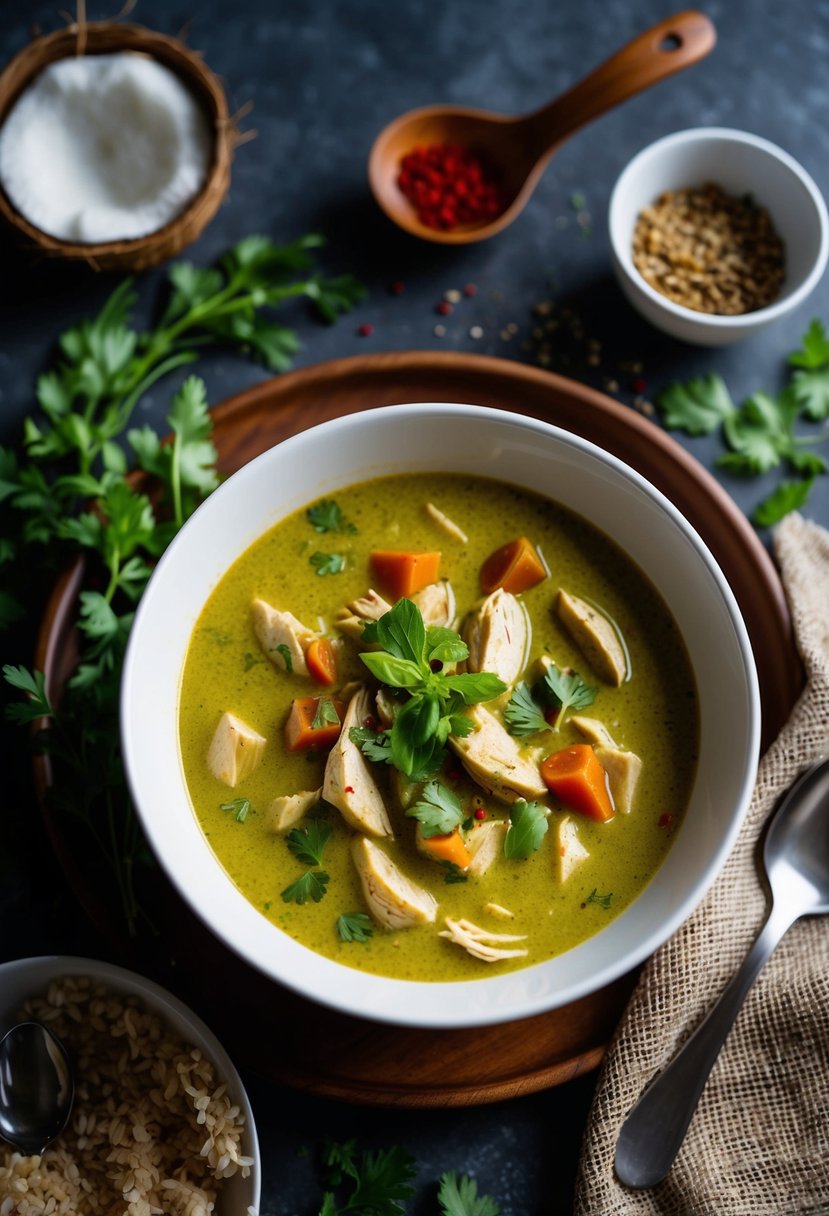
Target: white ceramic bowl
x=741 y=164
x=460 y=439
x=29 y=977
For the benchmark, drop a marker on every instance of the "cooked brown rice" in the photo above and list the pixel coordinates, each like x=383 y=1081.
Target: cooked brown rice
x=151 y=1131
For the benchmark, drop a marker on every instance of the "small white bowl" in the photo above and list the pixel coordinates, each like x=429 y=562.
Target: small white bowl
x=456 y=440
x=741 y=164
x=30 y=977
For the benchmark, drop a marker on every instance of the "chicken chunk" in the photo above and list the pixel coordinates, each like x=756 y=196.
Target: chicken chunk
x=351 y=619
x=568 y=850
x=348 y=784
x=446 y=525
x=623 y=767
x=493 y=759
x=480 y=943
x=596 y=637
x=436 y=602
x=235 y=750
x=393 y=899
x=485 y=842
x=283 y=638
x=498 y=635
x=283 y=812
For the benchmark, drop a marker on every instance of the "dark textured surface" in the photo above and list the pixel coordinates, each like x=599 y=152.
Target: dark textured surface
x=324 y=77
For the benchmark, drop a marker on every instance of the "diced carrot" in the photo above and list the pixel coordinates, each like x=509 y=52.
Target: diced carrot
x=516 y=566
x=321 y=661
x=401 y=572
x=300 y=732
x=446 y=848
x=575 y=775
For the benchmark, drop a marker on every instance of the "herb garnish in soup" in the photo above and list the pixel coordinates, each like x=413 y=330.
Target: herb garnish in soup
x=437 y=726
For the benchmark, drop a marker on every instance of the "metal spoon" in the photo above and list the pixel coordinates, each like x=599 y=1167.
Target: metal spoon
x=796 y=861
x=36 y=1087
x=519 y=147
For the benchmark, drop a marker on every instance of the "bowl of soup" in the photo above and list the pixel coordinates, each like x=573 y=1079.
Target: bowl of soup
x=440 y=715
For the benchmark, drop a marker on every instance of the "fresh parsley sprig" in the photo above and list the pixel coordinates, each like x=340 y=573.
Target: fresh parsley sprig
x=411 y=658
x=378 y=1182
x=438 y=810
x=761 y=433
x=559 y=690
x=458 y=1196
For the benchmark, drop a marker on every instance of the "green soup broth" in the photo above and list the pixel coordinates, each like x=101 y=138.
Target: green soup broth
x=654 y=714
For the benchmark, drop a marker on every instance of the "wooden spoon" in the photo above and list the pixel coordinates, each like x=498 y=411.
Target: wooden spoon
x=519 y=148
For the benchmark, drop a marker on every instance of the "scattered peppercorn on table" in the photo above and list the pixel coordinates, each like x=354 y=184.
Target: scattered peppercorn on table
x=323 y=81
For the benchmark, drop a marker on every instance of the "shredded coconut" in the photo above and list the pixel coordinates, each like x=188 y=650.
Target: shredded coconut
x=103 y=148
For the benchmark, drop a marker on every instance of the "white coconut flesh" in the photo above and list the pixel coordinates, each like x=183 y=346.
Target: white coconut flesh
x=104 y=148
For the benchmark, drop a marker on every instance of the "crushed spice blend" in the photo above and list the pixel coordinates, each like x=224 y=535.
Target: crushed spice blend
x=709 y=251
x=449 y=185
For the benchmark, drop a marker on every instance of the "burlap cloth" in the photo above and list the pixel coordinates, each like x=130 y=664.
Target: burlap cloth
x=759 y=1142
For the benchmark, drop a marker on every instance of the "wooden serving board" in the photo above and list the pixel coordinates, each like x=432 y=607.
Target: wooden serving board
x=270 y=1029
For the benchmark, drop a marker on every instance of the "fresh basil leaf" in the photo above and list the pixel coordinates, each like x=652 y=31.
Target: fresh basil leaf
x=445 y=646
x=399 y=673
x=528 y=827
x=475 y=686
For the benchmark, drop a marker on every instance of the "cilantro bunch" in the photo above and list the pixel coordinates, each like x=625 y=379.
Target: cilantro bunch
x=67 y=491
x=412 y=661
x=761 y=433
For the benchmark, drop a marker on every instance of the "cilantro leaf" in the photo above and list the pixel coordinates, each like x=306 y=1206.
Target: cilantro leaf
x=603 y=901
x=327 y=563
x=528 y=827
x=354 y=927
x=454 y=873
x=287 y=657
x=698 y=406
x=327 y=516
x=459 y=1197
x=308 y=844
x=789 y=496
x=565 y=691
x=438 y=810
x=523 y=714
x=33 y=685
x=814 y=349
x=811 y=391
x=760 y=431
x=381 y=1183
x=375 y=745
x=312 y=885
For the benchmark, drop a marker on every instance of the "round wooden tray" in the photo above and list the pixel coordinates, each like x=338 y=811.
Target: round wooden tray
x=268 y=1028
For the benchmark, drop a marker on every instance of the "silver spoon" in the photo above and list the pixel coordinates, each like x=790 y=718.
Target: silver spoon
x=796 y=861
x=36 y=1087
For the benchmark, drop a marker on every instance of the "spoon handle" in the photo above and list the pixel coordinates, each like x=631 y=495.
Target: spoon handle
x=653 y=1132
x=664 y=49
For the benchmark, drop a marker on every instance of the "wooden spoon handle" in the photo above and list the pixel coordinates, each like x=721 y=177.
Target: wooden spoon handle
x=666 y=48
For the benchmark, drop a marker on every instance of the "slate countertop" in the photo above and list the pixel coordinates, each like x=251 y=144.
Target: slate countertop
x=324 y=76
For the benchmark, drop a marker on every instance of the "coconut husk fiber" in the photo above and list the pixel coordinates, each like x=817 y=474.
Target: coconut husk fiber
x=109 y=37
x=758 y=1144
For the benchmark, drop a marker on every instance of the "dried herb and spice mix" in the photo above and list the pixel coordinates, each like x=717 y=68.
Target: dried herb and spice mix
x=709 y=250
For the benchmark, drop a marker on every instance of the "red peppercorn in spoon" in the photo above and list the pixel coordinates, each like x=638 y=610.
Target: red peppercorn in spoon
x=455 y=174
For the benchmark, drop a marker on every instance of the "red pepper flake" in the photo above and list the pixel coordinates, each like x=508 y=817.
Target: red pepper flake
x=480 y=813
x=639 y=385
x=470 y=289
x=397 y=287
x=444 y=308
x=449 y=185
x=365 y=330
x=349 y=789
x=666 y=820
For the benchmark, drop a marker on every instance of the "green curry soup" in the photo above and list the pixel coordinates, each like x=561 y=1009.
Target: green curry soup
x=652 y=713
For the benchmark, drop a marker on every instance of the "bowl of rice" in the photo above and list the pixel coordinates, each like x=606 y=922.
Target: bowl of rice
x=161 y=1120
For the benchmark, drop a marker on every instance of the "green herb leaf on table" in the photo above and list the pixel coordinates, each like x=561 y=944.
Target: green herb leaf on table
x=308 y=844
x=33 y=685
x=66 y=492
x=379 y=1182
x=458 y=1196
x=354 y=927
x=312 y=885
x=761 y=434
x=528 y=827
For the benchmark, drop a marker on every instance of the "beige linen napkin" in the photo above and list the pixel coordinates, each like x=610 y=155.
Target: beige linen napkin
x=759 y=1142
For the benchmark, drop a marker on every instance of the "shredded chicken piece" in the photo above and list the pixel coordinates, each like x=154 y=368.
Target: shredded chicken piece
x=287 y=809
x=596 y=637
x=348 y=783
x=393 y=899
x=568 y=850
x=485 y=841
x=480 y=943
x=351 y=618
x=445 y=523
x=499 y=911
x=235 y=750
x=493 y=759
x=436 y=602
x=498 y=635
x=282 y=637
